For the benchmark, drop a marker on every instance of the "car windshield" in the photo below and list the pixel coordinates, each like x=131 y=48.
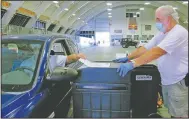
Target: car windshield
x=19 y=59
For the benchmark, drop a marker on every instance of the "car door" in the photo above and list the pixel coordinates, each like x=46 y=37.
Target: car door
x=60 y=91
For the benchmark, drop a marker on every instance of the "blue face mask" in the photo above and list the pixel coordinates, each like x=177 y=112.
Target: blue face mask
x=160 y=27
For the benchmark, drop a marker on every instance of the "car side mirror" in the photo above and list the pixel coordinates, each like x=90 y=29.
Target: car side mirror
x=63 y=74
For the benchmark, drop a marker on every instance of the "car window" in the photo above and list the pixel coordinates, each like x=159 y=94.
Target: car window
x=20 y=59
x=72 y=46
x=73 y=50
x=58 y=48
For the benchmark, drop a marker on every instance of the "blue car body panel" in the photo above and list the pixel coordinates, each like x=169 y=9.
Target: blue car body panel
x=21 y=105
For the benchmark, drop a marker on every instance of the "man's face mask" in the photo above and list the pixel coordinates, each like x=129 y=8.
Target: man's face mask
x=162 y=26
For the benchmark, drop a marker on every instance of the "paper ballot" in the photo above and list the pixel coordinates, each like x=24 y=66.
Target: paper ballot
x=120 y=55
x=94 y=64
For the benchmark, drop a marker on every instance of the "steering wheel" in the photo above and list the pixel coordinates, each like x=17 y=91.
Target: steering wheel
x=23 y=67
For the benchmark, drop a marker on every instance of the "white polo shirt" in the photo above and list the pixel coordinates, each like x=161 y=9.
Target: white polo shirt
x=173 y=66
x=57 y=61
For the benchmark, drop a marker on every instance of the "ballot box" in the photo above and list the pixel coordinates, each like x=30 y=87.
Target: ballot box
x=99 y=92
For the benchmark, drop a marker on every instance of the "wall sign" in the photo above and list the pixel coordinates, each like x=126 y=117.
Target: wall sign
x=117 y=31
x=147 y=27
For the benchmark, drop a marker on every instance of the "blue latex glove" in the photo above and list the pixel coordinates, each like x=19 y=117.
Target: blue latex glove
x=125 y=68
x=121 y=60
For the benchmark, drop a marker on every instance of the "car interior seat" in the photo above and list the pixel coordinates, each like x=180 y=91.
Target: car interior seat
x=8 y=58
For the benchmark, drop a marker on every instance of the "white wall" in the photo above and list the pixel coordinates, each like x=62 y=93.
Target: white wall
x=120 y=22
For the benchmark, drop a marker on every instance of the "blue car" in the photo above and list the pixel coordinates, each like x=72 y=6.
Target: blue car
x=29 y=88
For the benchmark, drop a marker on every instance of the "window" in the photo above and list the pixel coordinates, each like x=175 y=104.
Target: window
x=147 y=27
x=3 y=11
x=19 y=20
x=39 y=24
x=51 y=27
x=67 y=31
x=88 y=34
x=20 y=59
x=72 y=46
x=136 y=37
x=130 y=15
x=127 y=15
x=60 y=29
x=72 y=32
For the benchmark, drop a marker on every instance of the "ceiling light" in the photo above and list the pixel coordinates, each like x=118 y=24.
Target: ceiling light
x=134 y=16
x=146 y=3
x=66 y=9
x=73 y=14
x=109 y=9
x=109 y=16
x=83 y=21
x=109 y=13
x=109 y=4
x=141 y=8
x=175 y=8
x=78 y=18
x=137 y=12
x=55 y=1
x=185 y=2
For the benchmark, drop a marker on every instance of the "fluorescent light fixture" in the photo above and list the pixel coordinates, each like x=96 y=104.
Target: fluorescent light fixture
x=83 y=21
x=141 y=8
x=73 y=14
x=109 y=16
x=134 y=16
x=175 y=8
x=66 y=9
x=109 y=13
x=185 y=2
x=146 y=3
x=109 y=4
x=78 y=18
x=55 y=1
x=137 y=12
x=109 y=9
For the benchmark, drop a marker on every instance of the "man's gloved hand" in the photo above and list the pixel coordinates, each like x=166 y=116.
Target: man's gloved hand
x=121 y=60
x=125 y=68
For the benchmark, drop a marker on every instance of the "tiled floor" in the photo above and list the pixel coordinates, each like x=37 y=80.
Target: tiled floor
x=108 y=54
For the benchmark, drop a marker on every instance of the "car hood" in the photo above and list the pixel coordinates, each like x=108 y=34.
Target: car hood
x=8 y=98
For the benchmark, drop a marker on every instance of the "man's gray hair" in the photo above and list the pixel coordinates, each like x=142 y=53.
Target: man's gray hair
x=169 y=10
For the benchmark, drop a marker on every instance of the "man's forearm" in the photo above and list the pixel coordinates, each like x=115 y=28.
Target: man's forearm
x=149 y=56
x=137 y=53
x=72 y=58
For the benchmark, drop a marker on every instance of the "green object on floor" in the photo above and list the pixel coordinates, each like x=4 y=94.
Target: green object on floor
x=163 y=111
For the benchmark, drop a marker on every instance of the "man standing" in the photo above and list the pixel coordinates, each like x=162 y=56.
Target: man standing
x=170 y=48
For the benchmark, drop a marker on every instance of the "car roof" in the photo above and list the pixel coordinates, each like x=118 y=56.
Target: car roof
x=32 y=37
